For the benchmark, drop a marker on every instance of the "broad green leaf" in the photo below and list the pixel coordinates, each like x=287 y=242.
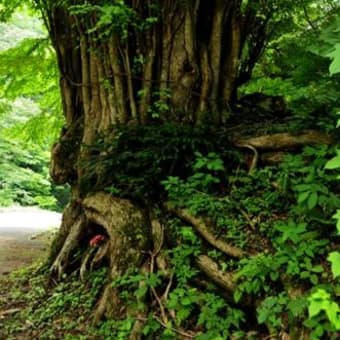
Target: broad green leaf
x=335 y=55
x=314 y=308
x=334 y=163
x=303 y=196
x=312 y=200
x=334 y=259
x=333 y=314
x=337 y=217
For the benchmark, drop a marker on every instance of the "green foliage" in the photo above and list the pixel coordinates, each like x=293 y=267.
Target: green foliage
x=28 y=72
x=292 y=223
x=270 y=309
x=20 y=26
x=305 y=177
x=160 y=105
x=233 y=199
x=50 y=311
x=322 y=301
x=24 y=176
x=282 y=215
x=7 y=8
x=29 y=113
x=295 y=65
x=328 y=44
x=119 y=330
x=218 y=318
x=256 y=273
x=204 y=179
x=116 y=17
x=334 y=258
x=191 y=307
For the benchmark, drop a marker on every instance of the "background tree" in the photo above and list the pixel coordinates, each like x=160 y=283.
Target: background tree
x=30 y=113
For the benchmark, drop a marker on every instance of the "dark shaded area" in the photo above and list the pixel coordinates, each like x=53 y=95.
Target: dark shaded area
x=135 y=162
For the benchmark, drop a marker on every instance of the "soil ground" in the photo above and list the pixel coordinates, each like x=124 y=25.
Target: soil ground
x=15 y=255
x=25 y=236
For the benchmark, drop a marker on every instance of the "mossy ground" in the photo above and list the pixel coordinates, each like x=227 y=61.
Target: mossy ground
x=32 y=307
x=23 y=289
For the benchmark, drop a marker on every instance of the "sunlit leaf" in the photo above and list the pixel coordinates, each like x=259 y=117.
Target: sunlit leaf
x=334 y=259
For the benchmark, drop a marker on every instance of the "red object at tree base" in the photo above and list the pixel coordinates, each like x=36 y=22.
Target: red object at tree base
x=96 y=240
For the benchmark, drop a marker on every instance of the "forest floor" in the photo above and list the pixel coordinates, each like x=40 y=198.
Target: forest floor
x=25 y=237
x=16 y=257
x=15 y=254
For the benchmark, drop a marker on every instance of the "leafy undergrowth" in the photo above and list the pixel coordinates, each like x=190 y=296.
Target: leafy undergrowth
x=285 y=286
x=282 y=218
x=33 y=308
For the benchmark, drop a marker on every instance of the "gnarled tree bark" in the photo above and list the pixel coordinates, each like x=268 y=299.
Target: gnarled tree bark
x=178 y=61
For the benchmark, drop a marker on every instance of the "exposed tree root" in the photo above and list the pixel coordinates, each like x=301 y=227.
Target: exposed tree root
x=136 y=332
x=254 y=160
x=202 y=228
x=71 y=213
x=128 y=241
x=284 y=141
x=100 y=254
x=157 y=235
x=209 y=267
x=71 y=243
x=184 y=335
x=129 y=232
x=93 y=257
x=158 y=238
x=85 y=262
x=272 y=158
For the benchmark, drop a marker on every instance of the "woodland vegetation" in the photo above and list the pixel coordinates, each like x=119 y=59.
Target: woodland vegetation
x=29 y=112
x=200 y=144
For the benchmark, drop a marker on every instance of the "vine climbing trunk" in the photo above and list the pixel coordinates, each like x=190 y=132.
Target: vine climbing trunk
x=130 y=63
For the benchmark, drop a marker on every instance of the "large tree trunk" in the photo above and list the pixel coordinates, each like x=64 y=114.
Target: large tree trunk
x=165 y=61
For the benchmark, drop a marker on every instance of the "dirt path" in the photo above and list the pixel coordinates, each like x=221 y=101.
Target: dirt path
x=24 y=236
x=16 y=254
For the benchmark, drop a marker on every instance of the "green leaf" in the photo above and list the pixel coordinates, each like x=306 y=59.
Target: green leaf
x=333 y=163
x=303 y=196
x=186 y=301
x=332 y=312
x=314 y=308
x=335 y=55
x=237 y=296
x=263 y=315
x=337 y=217
x=318 y=269
x=334 y=259
x=312 y=200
